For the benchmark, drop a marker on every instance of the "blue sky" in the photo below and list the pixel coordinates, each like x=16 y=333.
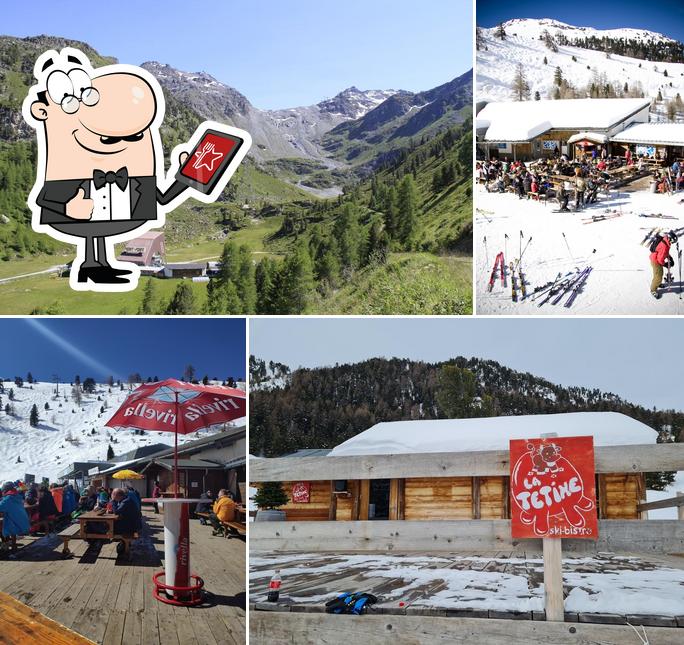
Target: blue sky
x=279 y=54
x=664 y=16
x=639 y=359
x=99 y=347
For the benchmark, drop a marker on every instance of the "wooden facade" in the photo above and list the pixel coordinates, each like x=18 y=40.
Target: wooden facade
x=445 y=498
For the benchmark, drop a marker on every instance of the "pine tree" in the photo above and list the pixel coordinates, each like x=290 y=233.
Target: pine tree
x=295 y=281
x=245 y=283
x=189 y=374
x=407 y=195
x=537 y=97
x=264 y=278
x=271 y=495
x=347 y=232
x=34 y=419
x=29 y=378
x=147 y=306
x=558 y=77
x=76 y=394
x=521 y=88
x=501 y=32
x=456 y=392
x=110 y=452
x=183 y=301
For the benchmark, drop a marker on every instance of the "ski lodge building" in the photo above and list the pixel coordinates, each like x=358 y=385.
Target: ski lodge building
x=451 y=478
x=147 y=251
x=527 y=130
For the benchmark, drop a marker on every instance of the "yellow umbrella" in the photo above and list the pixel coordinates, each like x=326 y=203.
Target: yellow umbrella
x=127 y=474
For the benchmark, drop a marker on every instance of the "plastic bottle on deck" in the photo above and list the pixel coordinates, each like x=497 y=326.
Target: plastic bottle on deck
x=274 y=587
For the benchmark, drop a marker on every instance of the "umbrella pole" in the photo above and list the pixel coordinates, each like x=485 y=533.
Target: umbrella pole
x=175 y=454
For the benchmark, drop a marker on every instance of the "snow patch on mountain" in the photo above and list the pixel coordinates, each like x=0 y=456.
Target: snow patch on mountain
x=67 y=432
x=497 y=61
x=289 y=132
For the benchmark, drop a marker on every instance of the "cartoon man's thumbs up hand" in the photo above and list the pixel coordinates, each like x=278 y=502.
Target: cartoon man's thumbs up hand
x=80 y=207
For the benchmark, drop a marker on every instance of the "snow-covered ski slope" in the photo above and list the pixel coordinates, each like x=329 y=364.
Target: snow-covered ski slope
x=497 y=64
x=619 y=283
x=65 y=434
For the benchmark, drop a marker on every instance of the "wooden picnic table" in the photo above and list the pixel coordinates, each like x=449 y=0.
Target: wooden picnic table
x=97 y=516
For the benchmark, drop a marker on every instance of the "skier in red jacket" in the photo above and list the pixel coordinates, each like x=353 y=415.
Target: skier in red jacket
x=660 y=258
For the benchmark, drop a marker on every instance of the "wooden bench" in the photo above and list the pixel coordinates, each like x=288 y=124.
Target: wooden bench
x=73 y=532
x=240 y=528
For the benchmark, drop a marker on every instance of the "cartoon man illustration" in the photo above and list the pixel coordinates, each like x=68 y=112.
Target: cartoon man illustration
x=100 y=176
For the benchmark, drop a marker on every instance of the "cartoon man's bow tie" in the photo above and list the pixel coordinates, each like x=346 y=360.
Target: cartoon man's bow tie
x=120 y=178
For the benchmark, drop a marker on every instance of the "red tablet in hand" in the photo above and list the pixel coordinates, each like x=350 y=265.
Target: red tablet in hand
x=208 y=160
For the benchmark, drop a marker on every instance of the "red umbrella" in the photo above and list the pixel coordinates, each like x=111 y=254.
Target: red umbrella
x=178 y=407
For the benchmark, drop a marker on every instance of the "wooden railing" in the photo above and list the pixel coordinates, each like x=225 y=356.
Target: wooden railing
x=646 y=458
x=670 y=502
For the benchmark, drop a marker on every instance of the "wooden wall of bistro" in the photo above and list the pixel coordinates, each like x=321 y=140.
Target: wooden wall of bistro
x=455 y=501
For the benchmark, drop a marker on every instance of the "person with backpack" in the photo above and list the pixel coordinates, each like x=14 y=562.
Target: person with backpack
x=660 y=258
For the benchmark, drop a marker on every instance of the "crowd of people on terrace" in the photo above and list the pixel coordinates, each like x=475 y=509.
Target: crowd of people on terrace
x=561 y=179
x=33 y=509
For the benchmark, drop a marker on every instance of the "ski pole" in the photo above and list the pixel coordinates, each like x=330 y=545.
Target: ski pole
x=520 y=246
x=679 y=259
x=566 y=244
x=486 y=253
x=524 y=249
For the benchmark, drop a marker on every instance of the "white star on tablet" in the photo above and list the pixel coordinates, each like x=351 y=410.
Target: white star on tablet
x=207 y=157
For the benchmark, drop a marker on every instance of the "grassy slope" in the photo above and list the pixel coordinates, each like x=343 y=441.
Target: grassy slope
x=22 y=296
x=410 y=283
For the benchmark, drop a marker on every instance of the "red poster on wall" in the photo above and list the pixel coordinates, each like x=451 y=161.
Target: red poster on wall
x=301 y=492
x=553 y=490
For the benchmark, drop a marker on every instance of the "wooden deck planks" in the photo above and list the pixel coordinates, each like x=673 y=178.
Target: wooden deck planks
x=108 y=599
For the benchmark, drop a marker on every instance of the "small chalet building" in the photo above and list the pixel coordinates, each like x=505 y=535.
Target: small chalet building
x=147 y=251
x=525 y=130
x=659 y=140
x=210 y=463
x=466 y=445
x=185 y=270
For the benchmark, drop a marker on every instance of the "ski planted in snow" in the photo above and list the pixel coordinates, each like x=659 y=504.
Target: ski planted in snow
x=514 y=286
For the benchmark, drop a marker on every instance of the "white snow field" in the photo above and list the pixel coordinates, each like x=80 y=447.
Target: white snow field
x=65 y=434
x=496 y=66
x=492 y=433
x=619 y=283
x=604 y=583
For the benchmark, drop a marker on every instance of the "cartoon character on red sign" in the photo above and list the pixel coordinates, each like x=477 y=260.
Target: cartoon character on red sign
x=552 y=497
x=301 y=492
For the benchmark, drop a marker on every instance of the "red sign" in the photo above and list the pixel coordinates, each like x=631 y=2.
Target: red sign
x=207 y=158
x=301 y=492
x=553 y=490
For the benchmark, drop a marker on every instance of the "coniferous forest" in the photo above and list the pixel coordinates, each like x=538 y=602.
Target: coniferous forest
x=322 y=407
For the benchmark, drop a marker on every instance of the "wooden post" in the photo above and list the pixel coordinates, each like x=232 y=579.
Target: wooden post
x=553 y=579
x=680 y=509
x=553 y=571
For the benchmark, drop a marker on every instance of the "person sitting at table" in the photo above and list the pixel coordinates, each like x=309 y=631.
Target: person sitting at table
x=31 y=508
x=223 y=511
x=102 y=497
x=135 y=496
x=204 y=506
x=91 y=494
x=15 y=520
x=128 y=516
x=47 y=509
x=81 y=508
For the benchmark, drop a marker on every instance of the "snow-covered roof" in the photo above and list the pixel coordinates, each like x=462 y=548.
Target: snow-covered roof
x=493 y=433
x=525 y=120
x=594 y=137
x=670 y=134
